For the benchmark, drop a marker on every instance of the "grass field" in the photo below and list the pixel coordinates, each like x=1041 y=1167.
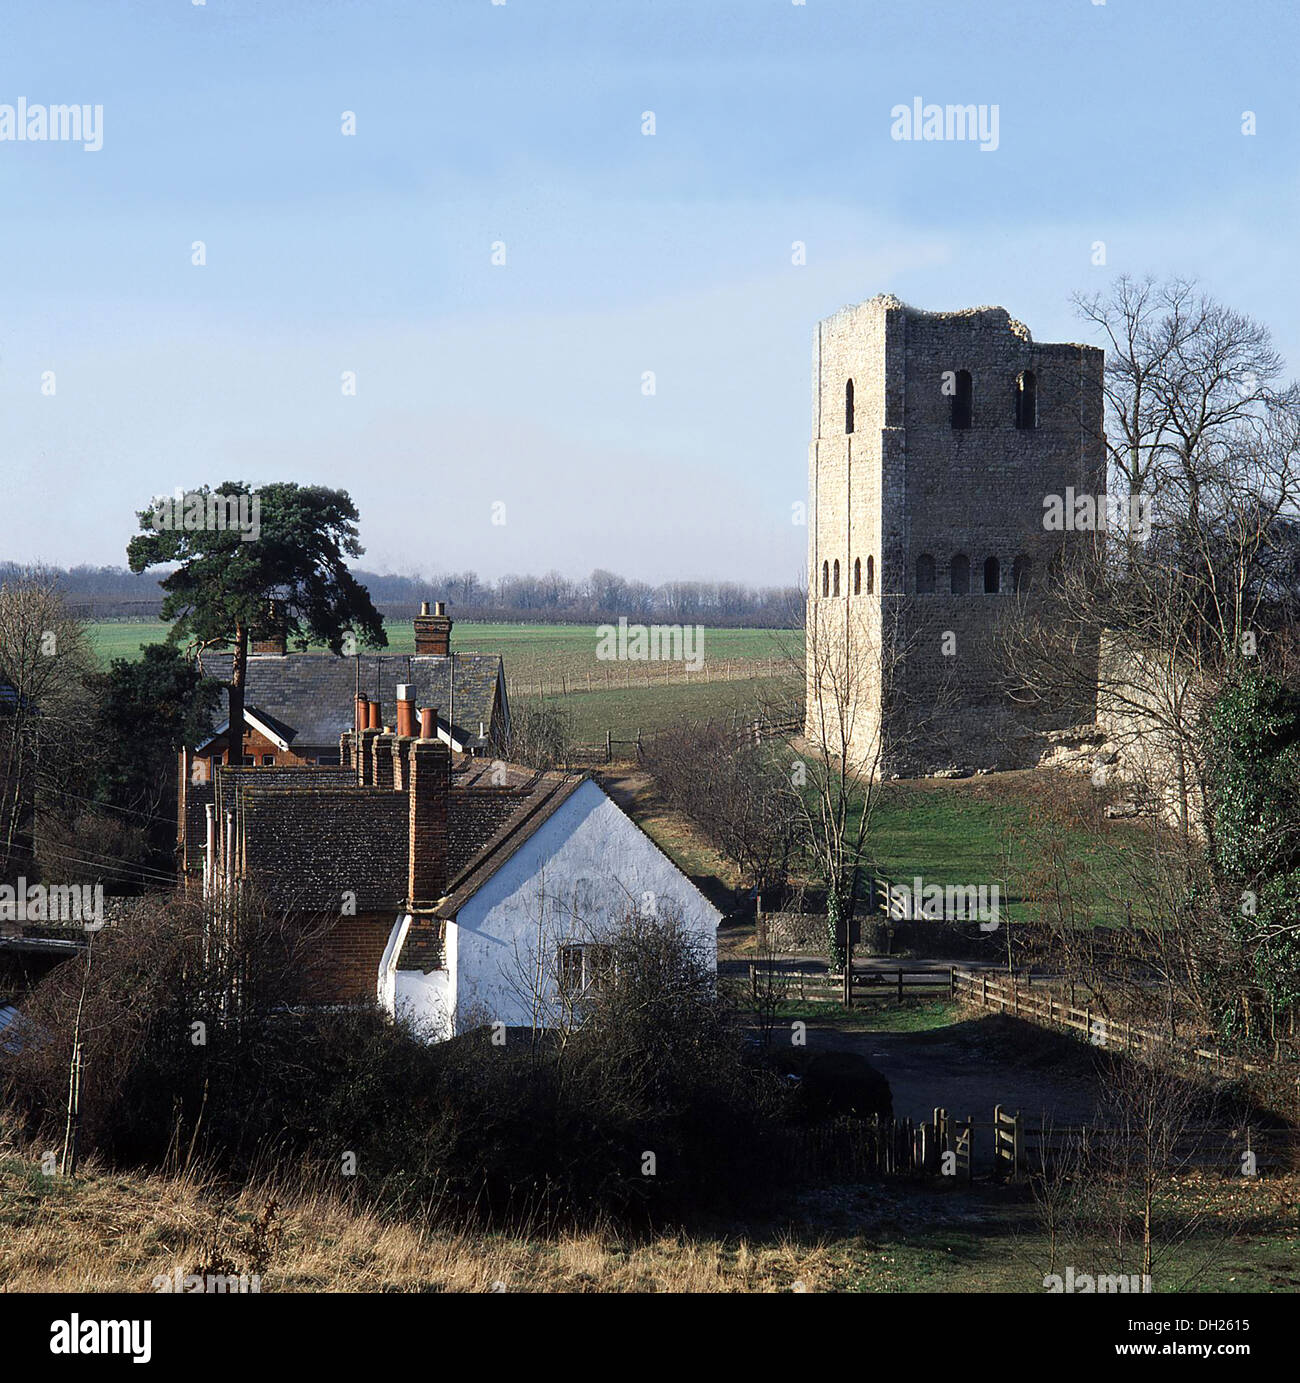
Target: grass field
x=656 y=707
x=532 y=651
x=977 y=830
x=117 y=1231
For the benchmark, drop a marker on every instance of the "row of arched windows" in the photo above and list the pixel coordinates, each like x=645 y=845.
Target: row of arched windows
x=926 y=575
x=831 y=577
x=959 y=575
x=963 y=401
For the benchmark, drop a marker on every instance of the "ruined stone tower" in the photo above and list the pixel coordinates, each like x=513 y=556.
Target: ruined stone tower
x=937 y=437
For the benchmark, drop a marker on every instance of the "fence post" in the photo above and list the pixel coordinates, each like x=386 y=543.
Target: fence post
x=984 y=989
x=952 y=982
x=900 y=984
x=609 y=746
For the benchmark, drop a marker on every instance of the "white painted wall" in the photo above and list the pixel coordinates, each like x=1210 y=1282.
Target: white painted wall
x=582 y=871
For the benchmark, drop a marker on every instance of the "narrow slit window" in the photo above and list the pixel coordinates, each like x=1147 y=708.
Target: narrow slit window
x=925 y=574
x=871 y=576
x=848 y=407
x=959 y=578
x=857 y=576
x=991 y=576
x=1021 y=570
x=826 y=578
x=963 y=400
x=835 y=578
x=1026 y=400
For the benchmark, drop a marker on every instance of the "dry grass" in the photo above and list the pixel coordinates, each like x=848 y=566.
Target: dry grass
x=111 y=1232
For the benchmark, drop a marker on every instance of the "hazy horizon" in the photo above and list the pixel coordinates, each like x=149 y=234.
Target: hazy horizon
x=480 y=385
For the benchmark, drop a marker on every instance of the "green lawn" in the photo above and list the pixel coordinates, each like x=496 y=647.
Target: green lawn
x=533 y=652
x=976 y=831
x=624 y=710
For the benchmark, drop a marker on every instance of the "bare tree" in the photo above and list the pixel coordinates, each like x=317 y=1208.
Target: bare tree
x=46 y=714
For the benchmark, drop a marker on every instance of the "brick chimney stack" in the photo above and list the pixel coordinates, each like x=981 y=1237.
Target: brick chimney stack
x=271 y=635
x=430 y=764
x=433 y=631
x=405 y=737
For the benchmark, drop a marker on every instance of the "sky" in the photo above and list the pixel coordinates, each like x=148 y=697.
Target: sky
x=500 y=420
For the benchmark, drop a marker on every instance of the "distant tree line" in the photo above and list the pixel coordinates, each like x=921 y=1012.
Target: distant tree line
x=602 y=597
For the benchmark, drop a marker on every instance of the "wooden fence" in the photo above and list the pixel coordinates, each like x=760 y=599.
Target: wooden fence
x=1016 y=994
x=1011 y=1146
x=629 y=745
x=624 y=675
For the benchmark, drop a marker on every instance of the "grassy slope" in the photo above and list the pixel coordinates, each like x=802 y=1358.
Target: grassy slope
x=975 y=831
x=116 y=1231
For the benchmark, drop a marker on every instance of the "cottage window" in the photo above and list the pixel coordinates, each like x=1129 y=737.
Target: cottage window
x=583 y=966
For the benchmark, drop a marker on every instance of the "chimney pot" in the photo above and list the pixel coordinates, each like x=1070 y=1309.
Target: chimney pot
x=428 y=722
x=424 y=607
x=405 y=709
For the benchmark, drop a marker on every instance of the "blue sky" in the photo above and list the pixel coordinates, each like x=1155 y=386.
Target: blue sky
x=477 y=123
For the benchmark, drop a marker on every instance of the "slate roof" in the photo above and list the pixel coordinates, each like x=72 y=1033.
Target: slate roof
x=311 y=696
x=310 y=834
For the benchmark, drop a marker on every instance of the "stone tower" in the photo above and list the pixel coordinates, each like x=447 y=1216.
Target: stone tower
x=938 y=437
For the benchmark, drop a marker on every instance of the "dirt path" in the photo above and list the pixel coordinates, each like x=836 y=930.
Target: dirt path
x=973 y=1065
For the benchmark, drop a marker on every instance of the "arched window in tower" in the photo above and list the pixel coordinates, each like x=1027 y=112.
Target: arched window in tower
x=848 y=407
x=963 y=400
x=826 y=578
x=959 y=576
x=1020 y=573
x=835 y=578
x=925 y=574
x=991 y=576
x=871 y=576
x=1026 y=400
x=857 y=576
